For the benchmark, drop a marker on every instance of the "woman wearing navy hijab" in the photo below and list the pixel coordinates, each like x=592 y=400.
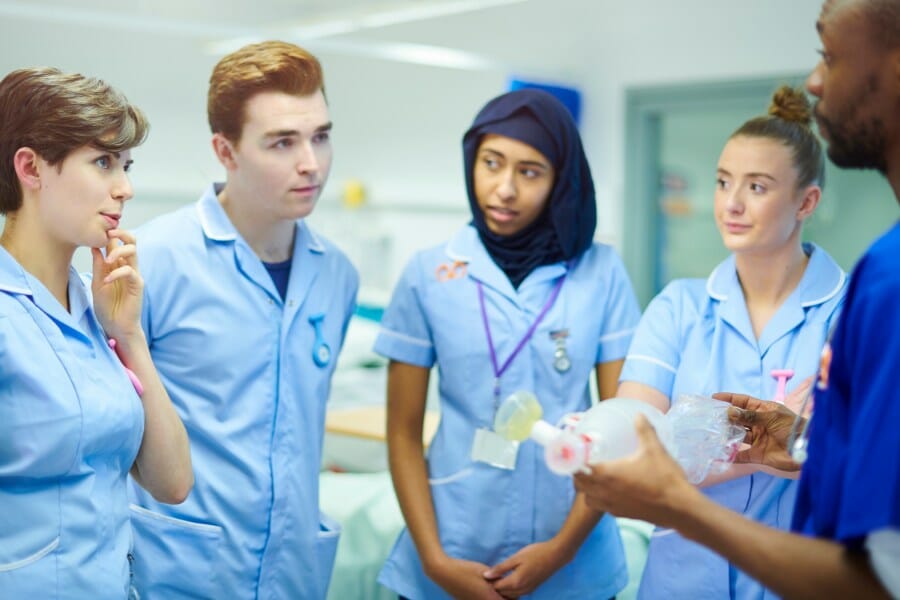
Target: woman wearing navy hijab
x=519 y=299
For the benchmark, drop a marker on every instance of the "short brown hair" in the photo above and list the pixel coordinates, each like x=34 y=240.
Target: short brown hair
x=265 y=67
x=789 y=121
x=55 y=113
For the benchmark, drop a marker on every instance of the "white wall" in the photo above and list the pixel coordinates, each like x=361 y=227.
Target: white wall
x=398 y=126
x=405 y=138
x=682 y=42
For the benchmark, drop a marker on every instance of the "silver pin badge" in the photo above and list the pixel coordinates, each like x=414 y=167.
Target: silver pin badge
x=561 y=360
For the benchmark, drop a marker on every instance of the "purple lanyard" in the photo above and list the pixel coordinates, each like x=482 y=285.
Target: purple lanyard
x=500 y=370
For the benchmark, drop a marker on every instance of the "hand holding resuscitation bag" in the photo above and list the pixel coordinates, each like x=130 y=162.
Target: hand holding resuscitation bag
x=696 y=432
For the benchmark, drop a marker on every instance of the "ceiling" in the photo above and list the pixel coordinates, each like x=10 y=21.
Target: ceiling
x=407 y=75
x=391 y=29
x=560 y=37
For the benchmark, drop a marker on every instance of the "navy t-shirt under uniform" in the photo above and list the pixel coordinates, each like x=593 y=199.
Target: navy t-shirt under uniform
x=850 y=485
x=280 y=273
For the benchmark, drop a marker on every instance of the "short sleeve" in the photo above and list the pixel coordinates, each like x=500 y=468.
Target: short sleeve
x=850 y=484
x=869 y=345
x=655 y=351
x=622 y=315
x=884 y=554
x=405 y=334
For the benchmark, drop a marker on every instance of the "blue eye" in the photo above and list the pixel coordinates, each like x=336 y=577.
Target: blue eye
x=103 y=162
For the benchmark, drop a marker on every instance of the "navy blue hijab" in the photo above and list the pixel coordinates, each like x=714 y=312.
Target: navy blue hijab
x=566 y=227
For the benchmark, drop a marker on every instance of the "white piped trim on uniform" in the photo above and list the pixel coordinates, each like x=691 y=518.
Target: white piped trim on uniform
x=829 y=295
x=31 y=559
x=709 y=281
x=661 y=532
x=207 y=227
x=453 y=254
x=406 y=338
x=650 y=359
x=614 y=336
x=315 y=243
x=208 y=527
x=451 y=478
x=15 y=290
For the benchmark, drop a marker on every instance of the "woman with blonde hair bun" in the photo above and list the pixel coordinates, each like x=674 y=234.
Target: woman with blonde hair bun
x=756 y=326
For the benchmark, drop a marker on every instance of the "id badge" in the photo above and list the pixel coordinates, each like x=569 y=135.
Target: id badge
x=495 y=450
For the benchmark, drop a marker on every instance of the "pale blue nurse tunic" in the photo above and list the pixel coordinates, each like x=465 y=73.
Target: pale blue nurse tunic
x=485 y=513
x=696 y=338
x=70 y=428
x=241 y=367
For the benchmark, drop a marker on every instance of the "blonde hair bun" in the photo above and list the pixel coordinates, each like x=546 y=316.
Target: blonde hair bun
x=790 y=104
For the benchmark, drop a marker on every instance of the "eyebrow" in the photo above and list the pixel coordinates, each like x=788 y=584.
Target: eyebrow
x=116 y=155
x=293 y=132
x=750 y=175
x=535 y=163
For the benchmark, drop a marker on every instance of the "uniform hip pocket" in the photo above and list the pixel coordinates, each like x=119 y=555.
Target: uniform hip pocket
x=326 y=549
x=28 y=572
x=462 y=502
x=174 y=558
x=31 y=558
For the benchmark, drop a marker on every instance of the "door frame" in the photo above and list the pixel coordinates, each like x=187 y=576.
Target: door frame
x=644 y=107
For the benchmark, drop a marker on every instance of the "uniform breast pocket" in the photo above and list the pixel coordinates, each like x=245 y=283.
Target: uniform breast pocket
x=30 y=530
x=174 y=557
x=42 y=423
x=465 y=370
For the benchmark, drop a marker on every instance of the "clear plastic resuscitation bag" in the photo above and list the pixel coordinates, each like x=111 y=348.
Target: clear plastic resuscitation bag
x=696 y=432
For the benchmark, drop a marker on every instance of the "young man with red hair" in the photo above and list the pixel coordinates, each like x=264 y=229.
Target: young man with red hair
x=246 y=309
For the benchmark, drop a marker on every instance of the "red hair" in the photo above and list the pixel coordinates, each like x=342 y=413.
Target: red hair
x=265 y=67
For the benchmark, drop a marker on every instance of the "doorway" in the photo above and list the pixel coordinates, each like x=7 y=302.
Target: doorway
x=674 y=135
